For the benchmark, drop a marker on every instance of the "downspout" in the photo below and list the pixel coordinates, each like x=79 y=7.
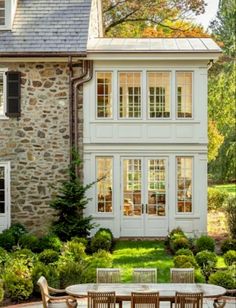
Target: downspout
x=74 y=84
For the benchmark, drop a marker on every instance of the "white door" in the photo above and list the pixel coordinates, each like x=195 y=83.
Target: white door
x=144 y=197
x=4 y=196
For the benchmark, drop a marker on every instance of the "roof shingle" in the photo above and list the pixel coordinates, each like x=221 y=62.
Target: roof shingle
x=48 y=26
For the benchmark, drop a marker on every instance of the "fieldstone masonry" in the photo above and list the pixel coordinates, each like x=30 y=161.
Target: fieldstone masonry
x=37 y=144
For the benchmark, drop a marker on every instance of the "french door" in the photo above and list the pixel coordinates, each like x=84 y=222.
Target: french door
x=4 y=196
x=144 y=202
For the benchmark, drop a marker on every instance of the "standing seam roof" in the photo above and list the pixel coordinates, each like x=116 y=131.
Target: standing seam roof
x=48 y=26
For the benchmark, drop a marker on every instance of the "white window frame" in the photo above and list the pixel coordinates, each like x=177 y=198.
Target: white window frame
x=148 y=118
x=3 y=72
x=176 y=186
x=96 y=186
x=111 y=96
x=7 y=214
x=8 y=16
x=176 y=95
x=129 y=70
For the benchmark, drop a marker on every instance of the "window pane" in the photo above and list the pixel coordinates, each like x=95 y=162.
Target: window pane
x=184 y=184
x=104 y=95
x=1 y=94
x=2 y=190
x=159 y=94
x=104 y=186
x=132 y=187
x=130 y=94
x=184 y=94
x=156 y=187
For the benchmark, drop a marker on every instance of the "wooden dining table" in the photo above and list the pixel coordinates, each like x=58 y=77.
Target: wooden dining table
x=166 y=290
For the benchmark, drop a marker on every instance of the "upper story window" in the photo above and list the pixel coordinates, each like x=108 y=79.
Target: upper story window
x=104 y=94
x=184 y=184
x=2 y=93
x=104 y=172
x=2 y=13
x=130 y=94
x=159 y=94
x=184 y=94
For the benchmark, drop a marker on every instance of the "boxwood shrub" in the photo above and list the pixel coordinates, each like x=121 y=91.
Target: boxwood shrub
x=184 y=251
x=183 y=261
x=205 y=242
x=228 y=244
x=230 y=257
x=29 y=241
x=50 y=241
x=48 y=256
x=102 y=240
x=205 y=258
x=223 y=278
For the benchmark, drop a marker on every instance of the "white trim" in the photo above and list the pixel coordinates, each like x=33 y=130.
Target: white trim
x=5 y=218
x=2 y=115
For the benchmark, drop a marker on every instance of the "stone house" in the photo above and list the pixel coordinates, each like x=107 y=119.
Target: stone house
x=136 y=109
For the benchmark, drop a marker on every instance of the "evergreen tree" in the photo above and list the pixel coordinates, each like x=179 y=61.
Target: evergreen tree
x=70 y=204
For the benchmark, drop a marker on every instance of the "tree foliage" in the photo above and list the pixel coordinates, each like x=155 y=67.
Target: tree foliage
x=118 y=13
x=70 y=203
x=215 y=140
x=222 y=91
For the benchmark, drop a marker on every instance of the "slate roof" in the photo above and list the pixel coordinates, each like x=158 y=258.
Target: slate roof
x=54 y=26
x=156 y=45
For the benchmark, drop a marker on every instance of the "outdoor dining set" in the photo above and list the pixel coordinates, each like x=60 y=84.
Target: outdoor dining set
x=143 y=292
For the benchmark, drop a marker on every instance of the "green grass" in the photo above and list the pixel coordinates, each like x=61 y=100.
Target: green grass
x=134 y=254
x=229 y=188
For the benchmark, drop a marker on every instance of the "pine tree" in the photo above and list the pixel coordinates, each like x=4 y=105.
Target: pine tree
x=70 y=204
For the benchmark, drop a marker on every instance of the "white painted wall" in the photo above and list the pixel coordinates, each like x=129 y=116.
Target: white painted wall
x=150 y=138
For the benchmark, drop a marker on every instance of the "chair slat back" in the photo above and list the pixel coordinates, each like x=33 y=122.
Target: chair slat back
x=108 y=275
x=101 y=299
x=182 y=275
x=43 y=285
x=147 y=300
x=188 y=300
x=145 y=275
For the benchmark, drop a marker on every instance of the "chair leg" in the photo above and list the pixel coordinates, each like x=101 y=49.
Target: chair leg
x=218 y=304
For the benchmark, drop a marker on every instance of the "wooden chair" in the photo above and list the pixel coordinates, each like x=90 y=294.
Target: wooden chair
x=188 y=300
x=108 y=275
x=221 y=302
x=101 y=299
x=50 y=301
x=182 y=275
x=147 y=300
x=145 y=275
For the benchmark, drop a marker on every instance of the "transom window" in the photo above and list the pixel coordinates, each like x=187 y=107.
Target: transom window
x=104 y=94
x=184 y=184
x=2 y=13
x=184 y=94
x=159 y=94
x=130 y=94
x=104 y=166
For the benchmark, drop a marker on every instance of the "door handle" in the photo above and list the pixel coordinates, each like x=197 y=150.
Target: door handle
x=146 y=208
x=142 y=208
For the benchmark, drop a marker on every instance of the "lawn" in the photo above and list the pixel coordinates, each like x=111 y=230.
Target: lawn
x=135 y=254
x=229 y=188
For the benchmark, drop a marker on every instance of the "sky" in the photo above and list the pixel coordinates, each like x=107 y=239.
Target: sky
x=209 y=15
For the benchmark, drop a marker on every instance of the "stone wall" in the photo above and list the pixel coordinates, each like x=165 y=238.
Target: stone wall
x=37 y=144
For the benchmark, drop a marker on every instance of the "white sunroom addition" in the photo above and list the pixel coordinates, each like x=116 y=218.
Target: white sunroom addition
x=145 y=134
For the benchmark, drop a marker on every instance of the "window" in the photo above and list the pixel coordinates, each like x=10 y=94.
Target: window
x=184 y=184
x=156 y=187
x=130 y=94
x=159 y=94
x=104 y=168
x=132 y=181
x=2 y=93
x=184 y=94
x=4 y=187
x=104 y=94
x=2 y=13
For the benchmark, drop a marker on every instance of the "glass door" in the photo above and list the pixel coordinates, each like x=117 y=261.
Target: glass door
x=144 y=197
